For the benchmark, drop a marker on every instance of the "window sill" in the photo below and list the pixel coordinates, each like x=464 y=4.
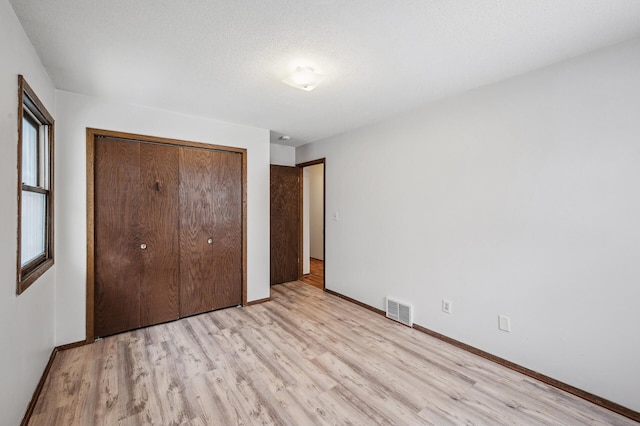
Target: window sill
x=25 y=281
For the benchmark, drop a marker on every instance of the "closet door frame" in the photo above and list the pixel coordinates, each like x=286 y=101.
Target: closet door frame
x=92 y=134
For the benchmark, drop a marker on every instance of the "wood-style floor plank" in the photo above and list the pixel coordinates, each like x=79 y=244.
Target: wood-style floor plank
x=305 y=357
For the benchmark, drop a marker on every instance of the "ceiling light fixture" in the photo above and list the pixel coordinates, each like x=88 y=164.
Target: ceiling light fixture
x=304 y=78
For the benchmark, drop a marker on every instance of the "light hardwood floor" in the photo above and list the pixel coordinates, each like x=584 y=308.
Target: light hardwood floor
x=304 y=358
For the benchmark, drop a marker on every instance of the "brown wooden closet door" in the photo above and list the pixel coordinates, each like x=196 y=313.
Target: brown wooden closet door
x=159 y=220
x=285 y=223
x=136 y=226
x=118 y=267
x=210 y=230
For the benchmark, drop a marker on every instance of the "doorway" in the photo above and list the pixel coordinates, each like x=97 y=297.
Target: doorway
x=313 y=223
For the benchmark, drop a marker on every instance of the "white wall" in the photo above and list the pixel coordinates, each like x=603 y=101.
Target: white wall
x=27 y=330
x=282 y=155
x=520 y=198
x=75 y=114
x=316 y=211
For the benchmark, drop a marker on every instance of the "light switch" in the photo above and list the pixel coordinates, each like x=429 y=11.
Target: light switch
x=504 y=323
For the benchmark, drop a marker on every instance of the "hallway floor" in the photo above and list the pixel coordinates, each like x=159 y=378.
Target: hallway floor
x=316 y=277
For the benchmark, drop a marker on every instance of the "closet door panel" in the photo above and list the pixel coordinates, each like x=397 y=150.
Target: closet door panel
x=159 y=221
x=196 y=216
x=210 y=230
x=117 y=248
x=226 y=256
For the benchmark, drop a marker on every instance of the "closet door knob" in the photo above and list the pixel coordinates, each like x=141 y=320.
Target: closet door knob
x=143 y=246
x=210 y=241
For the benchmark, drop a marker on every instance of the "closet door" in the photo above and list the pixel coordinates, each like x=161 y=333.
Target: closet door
x=118 y=266
x=210 y=230
x=159 y=196
x=136 y=235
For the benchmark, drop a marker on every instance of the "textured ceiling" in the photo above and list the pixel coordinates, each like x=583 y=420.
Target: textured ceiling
x=225 y=59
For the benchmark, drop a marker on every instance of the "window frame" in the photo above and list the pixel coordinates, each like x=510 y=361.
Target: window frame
x=33 y=110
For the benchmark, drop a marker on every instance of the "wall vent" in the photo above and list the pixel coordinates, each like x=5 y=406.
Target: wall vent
x=400 y=311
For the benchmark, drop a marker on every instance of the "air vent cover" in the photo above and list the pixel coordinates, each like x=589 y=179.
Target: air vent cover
x=399 y=311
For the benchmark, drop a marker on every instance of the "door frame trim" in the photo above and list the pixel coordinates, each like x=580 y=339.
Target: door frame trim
x=301 y=166
x=92 y=134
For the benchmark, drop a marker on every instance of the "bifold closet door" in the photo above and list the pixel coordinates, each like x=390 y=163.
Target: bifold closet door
x=118 y=266
x=159 y=214
x=210 y=230
x=136 y=235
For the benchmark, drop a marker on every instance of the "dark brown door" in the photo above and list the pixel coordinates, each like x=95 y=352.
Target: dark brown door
x=118 y=266
x=159 y=214
x=168 y=232
x=210 y=230
x=136 y=219
x=285 y=223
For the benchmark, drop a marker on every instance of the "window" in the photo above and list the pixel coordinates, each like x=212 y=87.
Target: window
x=35 y=187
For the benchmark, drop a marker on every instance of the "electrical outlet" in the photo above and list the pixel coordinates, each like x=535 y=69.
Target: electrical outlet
x=446 y=306
x=504 y=323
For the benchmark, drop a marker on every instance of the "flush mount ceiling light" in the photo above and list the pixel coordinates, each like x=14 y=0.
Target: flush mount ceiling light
x=304 y=78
